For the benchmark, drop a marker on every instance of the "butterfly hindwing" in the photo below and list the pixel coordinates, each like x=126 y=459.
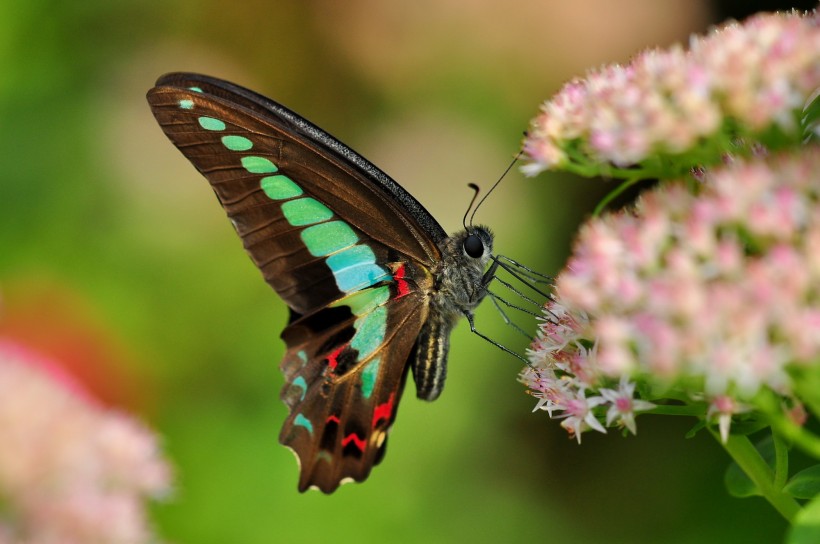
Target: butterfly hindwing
x=348 y=250
x=343 y=384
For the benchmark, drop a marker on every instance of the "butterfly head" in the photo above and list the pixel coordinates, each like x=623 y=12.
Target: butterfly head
x=465 y=256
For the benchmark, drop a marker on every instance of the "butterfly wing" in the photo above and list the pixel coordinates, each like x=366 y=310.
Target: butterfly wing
x=345 y=375
x=346 y=248
x=214 y=122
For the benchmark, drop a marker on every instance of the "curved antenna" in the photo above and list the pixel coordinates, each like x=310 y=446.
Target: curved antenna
x=475 y=188
x=480 y=202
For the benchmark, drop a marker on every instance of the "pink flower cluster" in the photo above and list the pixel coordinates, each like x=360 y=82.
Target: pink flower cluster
x=70 y=471
x=754 y=75
x=711 y=295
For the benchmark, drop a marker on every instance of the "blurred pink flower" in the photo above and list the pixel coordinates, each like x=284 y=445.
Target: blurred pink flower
x=739 y=81
x=712 y=295
x=70 y=470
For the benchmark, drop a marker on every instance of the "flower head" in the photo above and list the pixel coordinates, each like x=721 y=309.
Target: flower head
x=712 y=294
x=739 y=81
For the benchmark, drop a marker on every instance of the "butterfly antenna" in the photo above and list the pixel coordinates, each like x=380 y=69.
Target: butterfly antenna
x=480 y=202
x=475 y=189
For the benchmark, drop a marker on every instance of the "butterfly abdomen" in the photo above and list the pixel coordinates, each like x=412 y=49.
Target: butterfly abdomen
x=430 y=365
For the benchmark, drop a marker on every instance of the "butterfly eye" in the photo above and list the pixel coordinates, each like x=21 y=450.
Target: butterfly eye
x=473 y=246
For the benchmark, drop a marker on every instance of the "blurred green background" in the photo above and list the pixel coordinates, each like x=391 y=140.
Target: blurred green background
x=116 y=258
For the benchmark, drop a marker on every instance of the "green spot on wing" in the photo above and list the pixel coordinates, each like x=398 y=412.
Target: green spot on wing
x=370 y=330
x=324 y=455
x=258 y=165
x=236 y=143
x=305 y=211
x=279 y=187
x=355 y=268
x=302 y=421
x=365 y=301
x=369 y=375
x=326 y=238
x=302 y=384
x=186 y=104
x=195 y=89
x=209 y=123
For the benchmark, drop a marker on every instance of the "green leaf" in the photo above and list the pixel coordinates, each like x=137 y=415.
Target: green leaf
x=736 y=481
x=805 y=484
x=806 y=529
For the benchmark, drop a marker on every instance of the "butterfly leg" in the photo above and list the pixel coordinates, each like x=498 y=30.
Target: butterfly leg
x=507 y=321
x=532 y=275
x=489 y=275
x=493 y=342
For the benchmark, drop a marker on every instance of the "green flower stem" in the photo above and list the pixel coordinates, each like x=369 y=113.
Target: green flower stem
x=781 y=461
x=626 y=184
x=584 y=166
x=754 y=466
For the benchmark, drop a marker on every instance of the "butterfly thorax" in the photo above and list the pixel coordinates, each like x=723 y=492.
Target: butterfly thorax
x=457 y=290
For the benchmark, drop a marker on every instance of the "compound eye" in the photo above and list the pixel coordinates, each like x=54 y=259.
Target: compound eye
x=473 y=246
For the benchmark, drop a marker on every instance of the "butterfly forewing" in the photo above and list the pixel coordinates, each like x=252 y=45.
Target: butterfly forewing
x=268 y=150
x=346 y=248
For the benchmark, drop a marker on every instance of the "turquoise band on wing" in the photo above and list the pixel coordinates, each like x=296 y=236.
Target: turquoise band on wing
x=355 y=268
x=353 y=264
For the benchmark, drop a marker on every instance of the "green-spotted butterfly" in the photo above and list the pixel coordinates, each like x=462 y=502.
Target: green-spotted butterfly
x=373 y=282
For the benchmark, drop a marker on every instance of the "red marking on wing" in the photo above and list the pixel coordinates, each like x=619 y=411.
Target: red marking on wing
x=401 y=283
x=384 y=410
x=358 y=442
x=333 y=358
x=332 y=419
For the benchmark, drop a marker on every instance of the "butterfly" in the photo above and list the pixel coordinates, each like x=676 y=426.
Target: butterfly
x=373 y=282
